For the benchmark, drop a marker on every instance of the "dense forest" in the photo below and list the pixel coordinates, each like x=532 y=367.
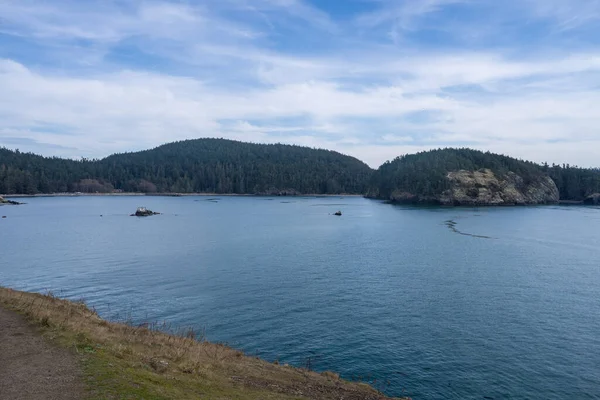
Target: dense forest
x=192 y=166
x=574 y=183
x=226 y=166
x=425 y=173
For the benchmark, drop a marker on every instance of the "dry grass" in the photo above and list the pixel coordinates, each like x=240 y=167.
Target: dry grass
x=126 y=362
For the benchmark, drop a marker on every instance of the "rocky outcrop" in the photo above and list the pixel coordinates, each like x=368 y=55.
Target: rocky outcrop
x=144 y=212
x=592 y=200
x=484 y=188
x=4 y=201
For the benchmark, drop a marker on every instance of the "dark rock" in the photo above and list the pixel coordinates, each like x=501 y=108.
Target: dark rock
x=592 y=200
x=4 y=201
x=338 y=213
x=144 y=212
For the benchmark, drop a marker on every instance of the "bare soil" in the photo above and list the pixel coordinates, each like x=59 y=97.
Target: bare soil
x=31 y=368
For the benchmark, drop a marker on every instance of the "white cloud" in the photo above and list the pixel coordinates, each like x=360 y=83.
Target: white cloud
x=569 y=14
x=230 y=71
x=404 y=12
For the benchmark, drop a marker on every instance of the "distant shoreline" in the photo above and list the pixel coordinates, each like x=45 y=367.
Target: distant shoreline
x=133 y=194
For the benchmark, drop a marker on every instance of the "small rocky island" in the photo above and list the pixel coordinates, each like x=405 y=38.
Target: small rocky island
x=144 y=212
x=3 y=201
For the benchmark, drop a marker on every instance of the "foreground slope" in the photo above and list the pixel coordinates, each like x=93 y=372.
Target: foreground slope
x=192 y=166
x=127 y=362
x=463 y=177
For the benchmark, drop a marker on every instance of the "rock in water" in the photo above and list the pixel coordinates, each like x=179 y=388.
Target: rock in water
x=4 y=201
x=144 y=212
x=592 y=200
x=338 y=213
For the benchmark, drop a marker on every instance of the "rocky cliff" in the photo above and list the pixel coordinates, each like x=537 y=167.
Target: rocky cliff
x=484 y=187
x=592 y=200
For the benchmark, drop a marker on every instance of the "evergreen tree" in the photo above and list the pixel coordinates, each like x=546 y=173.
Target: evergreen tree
x=203 y=165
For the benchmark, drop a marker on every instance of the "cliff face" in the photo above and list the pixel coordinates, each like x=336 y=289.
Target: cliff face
x=483 y=187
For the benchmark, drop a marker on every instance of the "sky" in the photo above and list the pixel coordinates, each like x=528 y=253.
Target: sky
x=374 y=79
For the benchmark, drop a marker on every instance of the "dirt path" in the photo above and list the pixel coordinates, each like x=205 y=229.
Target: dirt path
x=33 y=369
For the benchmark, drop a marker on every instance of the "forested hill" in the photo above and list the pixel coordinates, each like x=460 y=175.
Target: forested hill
x=226 y=166
x=425 y=175
x=201 y=165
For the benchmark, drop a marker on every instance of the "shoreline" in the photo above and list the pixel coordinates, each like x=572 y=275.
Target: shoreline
x=134 y=194
x=156 y=360
x=311 y=195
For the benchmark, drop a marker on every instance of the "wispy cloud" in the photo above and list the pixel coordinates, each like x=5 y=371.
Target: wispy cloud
x=385 y=78
x=567 y=15
x=402 y=16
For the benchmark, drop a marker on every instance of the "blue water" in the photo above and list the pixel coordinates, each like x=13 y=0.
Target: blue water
x=383 y=292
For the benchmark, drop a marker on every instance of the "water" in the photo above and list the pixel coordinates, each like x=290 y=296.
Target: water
x=383 y=292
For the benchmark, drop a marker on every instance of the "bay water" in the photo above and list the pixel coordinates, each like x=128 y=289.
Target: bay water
x=426 y=302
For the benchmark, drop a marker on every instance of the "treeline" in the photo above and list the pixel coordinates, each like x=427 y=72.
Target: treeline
x=574 y=183
x=26 y=173
x=226 y=166
x=202 y=165
x=425 y=173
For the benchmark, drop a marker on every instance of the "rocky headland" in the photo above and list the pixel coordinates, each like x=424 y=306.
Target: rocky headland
x=486 y=188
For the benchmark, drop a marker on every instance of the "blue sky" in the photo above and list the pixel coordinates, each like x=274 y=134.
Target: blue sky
x=370 y=78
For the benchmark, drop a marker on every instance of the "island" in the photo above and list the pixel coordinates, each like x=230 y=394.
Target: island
x=144 y=212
